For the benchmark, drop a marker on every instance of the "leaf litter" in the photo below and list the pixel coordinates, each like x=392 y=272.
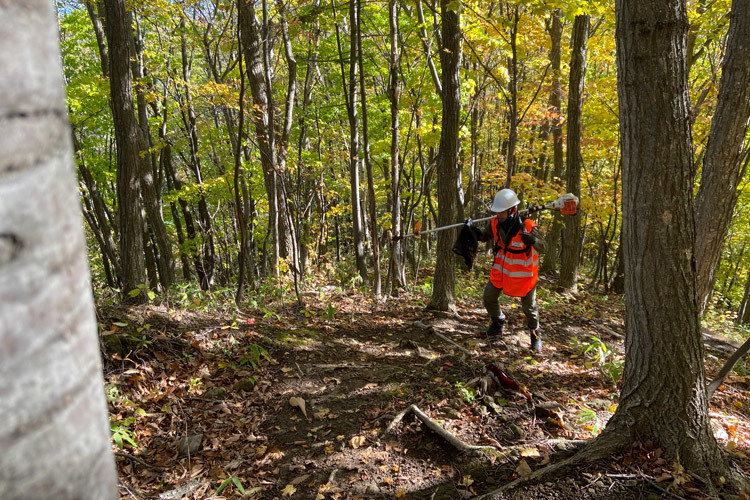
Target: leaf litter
x=295 y=405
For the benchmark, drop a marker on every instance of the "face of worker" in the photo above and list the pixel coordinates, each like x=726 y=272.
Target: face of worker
x=503 y=216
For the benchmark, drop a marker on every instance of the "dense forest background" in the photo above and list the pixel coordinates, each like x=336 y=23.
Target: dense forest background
x=303 y=155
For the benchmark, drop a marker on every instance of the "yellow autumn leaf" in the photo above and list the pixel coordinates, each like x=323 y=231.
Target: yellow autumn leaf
x=329 y=449
x=288 y=490
x=738 y=404
x=357 y=441
x=400 y=493
x=466 y=481
x=530 y=452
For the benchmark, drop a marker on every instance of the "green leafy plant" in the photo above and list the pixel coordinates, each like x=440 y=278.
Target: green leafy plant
x=330 y=312
x=587 y=418
x=254 y=355
x=230 y=480
x=194 y=384
x=113 y=393
x=135 y=292
x=468 y=393
x=610 y=367
x=121 y=433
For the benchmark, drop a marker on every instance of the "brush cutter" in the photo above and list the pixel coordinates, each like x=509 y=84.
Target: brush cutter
x=567 y=204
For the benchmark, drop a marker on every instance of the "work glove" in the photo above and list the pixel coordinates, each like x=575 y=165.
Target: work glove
x=528 y=239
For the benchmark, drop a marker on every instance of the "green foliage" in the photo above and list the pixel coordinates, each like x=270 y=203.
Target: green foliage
x=610 y=367
x=254 y=353
x=230 y=480
x=469 y=394
x=587 y=418
x=122 y=435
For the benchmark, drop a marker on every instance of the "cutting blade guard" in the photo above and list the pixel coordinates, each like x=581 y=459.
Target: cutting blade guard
x=567 y=204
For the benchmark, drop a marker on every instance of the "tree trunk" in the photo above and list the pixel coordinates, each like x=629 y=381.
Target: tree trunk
x=663 y=397
x=550 y=258
x=512 y=98
x=366 y=146
x=54 y=430
x=149 y=190
x=357 y=226
x=743 y=312
x=95 y=10
x=450 y=209
x=208 y=250
x=98 y=209
x=726 y=148
x=397 y=270
x=129 y=207
x=258 y=75
x=571 y=237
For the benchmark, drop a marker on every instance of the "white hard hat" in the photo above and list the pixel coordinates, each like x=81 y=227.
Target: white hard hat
x=504 y=199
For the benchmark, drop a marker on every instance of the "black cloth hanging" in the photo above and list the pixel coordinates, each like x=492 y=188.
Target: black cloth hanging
x=467 y=242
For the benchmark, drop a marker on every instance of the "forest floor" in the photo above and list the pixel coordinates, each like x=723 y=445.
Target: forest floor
x=282 y=402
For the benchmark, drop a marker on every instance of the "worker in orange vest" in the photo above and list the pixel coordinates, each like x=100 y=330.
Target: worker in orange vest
x=516 y=266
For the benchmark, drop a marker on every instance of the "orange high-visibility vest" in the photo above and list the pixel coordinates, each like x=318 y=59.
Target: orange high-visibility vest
x=516 y=268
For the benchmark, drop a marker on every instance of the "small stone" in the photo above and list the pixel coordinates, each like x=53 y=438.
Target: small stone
x=190 y=445
x=215 y=393
x=599 y=404
x=517 y=431
x=244 y=385
x=451 y=412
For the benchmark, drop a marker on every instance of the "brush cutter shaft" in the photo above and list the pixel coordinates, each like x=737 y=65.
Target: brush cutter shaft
x=567 y=204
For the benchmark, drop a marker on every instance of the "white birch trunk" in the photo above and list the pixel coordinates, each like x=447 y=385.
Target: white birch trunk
x=54 y=433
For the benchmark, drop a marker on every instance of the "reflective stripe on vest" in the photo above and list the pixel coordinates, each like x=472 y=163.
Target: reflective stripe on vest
x=513 y=272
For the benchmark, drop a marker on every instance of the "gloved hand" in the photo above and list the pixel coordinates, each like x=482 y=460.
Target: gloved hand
x=528 y=239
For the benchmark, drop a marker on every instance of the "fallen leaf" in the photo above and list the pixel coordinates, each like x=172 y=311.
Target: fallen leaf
x=299 y=403
x=523 y=469
x=466 y=481
x=288 y=490
x=530 y=453
x=357 y=441
x=300 y=479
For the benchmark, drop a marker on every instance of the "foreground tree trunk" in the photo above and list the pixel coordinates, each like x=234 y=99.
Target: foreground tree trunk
x=663 y=396
x=449 y=206
x=725 y=151
x=54 y=433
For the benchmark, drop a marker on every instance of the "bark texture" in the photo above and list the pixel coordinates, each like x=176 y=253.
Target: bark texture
x=129 y=216
x=263 y=118
x=725 y=151
x=54 y=433
x=663 y=396
x=449 y=206
x=570 y=252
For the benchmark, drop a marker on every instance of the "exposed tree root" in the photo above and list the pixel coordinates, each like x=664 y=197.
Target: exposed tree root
x=437 y=429
x=599 y=448
x=603 y=447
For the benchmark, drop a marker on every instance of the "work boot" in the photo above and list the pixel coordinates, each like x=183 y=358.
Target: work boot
x=536 y=340
x=495 y=329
